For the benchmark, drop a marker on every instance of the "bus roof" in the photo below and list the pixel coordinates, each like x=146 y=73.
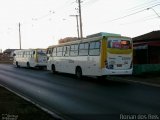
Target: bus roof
x=92 y=37
x=103 y=34
x=31 y=49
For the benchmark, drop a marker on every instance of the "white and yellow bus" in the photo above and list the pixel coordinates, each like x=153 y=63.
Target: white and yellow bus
x=30 y=58
x=98 y=55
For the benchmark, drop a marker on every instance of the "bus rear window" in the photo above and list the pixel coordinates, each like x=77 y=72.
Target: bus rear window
x=119 y=44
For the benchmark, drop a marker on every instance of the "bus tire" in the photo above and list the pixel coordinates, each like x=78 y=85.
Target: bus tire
x=18 y=66
x=53 y=69
x=103 y=77
x=28 y=65
x=79 y=72
x=41 y=67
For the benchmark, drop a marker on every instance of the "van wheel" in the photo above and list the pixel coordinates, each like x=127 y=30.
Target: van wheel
x=28 y=65
x=18 y=66
x=78 y=72
x=53 y=69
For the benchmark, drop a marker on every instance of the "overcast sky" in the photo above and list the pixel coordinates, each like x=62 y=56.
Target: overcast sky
x=44 y=22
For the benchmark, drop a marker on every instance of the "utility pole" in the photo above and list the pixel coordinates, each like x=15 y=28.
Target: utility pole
x=19 y=36
x=80 y=19
x=77 y=24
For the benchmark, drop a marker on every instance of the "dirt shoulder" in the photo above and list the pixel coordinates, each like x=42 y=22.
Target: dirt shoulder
x=12 y=107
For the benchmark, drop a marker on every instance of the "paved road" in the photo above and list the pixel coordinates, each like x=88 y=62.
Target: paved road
x=81 y=99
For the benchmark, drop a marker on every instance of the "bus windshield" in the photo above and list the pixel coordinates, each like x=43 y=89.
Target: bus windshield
x=41 y=52
x=119 y=44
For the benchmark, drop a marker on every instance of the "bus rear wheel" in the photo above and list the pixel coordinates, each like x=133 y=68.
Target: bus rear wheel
x=53 y=69
x=28 y=65
x=78 y=72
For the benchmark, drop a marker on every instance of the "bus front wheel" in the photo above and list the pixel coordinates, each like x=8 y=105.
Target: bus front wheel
x=78 y=72
x=18 y=66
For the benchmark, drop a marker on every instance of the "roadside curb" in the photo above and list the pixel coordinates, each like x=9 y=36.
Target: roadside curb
x=115 y=78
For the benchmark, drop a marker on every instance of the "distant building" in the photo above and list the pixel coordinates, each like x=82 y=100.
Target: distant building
x=147 y=50
x=67 y=39
x=7 y=56
x=9 y=52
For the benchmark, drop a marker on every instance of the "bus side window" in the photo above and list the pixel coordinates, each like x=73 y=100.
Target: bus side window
x=74 y=50
x=59 y=51
x=94 y=48
x=31 y=54
x=25 y=54
x=83 y=49
x=54 y=52
x=66 y=50
x=22 y=54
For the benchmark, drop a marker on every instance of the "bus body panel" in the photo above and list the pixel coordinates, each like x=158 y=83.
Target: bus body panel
x=114 y=58
x=88 y=64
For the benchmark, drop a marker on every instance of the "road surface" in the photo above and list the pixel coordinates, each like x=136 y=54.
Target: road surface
x=82 y=99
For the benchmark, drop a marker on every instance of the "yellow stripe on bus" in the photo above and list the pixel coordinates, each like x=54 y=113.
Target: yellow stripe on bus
x=103 y=52
x=119 y=51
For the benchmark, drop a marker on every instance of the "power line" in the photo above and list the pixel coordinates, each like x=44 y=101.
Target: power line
x=133 y=13
x=63 y=7
x=154 y=11
x=138 y=21
x=44 y=16
x=90 y=2
x=144 y=5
